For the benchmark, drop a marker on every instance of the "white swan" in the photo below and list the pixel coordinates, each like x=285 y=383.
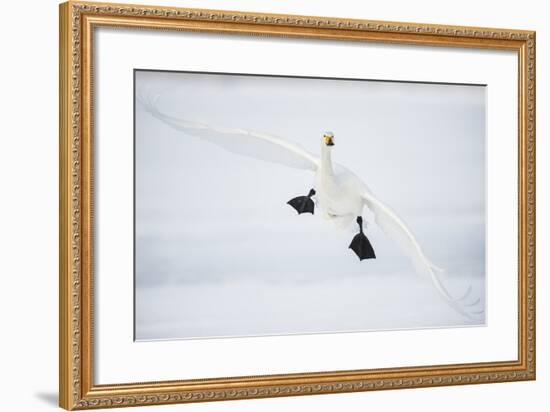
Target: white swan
x=340 y=193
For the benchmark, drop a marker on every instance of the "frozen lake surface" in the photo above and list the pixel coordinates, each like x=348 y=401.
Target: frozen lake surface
x=249 y=308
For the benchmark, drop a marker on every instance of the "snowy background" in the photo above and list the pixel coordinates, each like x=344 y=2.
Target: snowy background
x=219 y=253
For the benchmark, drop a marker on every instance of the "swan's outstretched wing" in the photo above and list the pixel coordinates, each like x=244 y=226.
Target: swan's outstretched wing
x=394 y=227
x=243 y=142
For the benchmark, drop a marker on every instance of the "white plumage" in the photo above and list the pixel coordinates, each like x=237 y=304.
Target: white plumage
x=340 y=193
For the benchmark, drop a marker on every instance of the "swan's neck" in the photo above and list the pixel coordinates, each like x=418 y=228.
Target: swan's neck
x=326 y=161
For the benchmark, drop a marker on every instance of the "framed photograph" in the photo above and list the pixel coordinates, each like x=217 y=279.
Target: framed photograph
x=260 y=205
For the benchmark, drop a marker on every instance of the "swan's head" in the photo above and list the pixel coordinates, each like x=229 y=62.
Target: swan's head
x=328 y=138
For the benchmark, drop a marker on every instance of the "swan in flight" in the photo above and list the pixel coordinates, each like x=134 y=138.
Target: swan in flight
x=339 y=193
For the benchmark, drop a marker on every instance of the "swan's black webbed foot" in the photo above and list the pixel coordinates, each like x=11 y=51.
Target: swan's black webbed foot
x=360 y=244
x=303 y=204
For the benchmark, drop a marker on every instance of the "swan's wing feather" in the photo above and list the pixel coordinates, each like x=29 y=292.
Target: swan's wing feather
x=243 y=142
x=394 y=227
x=397 y=230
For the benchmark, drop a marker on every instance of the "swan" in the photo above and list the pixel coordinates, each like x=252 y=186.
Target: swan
x=340 y=194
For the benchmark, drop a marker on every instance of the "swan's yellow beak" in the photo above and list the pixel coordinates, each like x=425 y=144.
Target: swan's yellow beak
x=328 y=138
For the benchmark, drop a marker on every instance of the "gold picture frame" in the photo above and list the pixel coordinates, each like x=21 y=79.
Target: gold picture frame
x=76 y=385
